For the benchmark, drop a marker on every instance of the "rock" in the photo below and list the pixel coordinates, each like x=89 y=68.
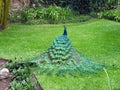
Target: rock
x=4 y=73
x=18 y=5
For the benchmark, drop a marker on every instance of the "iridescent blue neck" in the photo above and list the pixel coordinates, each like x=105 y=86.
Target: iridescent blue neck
x=65 y=31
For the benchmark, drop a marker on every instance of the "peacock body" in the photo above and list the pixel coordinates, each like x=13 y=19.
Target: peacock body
x=63 y=58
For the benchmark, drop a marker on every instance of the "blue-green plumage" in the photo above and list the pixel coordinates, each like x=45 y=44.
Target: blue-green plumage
x=62 y=54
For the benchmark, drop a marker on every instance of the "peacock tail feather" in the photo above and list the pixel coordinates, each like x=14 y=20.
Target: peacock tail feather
x=63 y=58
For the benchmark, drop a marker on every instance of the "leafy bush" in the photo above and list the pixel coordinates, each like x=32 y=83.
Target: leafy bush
x=22 y=76
x=110 y=14
x=86 y=6
x=65 y=3
x=15 y=17
x=28 y=14
x=55 y=13
x=100 y=5
x=51 y=14
x=81 y=6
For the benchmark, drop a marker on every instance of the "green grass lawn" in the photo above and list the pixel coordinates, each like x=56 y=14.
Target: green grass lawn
x=96 y=39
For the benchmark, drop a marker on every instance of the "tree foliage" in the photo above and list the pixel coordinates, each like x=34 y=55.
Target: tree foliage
x=82 y=6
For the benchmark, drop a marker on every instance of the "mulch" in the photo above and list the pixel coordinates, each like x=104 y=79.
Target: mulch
x=5 y=83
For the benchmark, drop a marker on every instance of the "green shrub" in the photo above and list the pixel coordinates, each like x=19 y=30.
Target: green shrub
x=101 y=5
x=23 y=16
x=22 y=75
x=51 y=14
x=86 y=6
x=48 y=15
x=55 y=13
x=81 y=6
x=65 y=3
x=28 y=14
x=110 y=14
x=15 y=17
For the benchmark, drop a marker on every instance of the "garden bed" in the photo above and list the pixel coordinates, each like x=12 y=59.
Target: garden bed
x=15 y=78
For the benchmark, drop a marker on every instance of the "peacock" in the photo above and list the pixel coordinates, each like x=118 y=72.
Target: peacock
x=61 y=57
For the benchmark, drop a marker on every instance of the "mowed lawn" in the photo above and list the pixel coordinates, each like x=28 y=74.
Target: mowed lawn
x=97 y=39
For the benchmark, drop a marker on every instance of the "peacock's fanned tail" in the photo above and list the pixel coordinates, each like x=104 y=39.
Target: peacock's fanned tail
x=62 y=58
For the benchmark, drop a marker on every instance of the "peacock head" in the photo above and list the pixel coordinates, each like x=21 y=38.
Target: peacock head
x=65 y=31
